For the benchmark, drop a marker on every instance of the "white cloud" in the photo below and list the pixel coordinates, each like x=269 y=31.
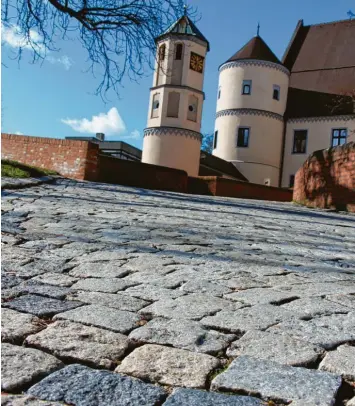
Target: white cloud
x=134 y=134
x=63 y=60
x=109 y=123
x=18 y=133
x=12 y=36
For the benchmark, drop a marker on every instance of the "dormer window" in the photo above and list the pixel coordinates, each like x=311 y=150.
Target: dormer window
x=246 y=89
x=276 y=92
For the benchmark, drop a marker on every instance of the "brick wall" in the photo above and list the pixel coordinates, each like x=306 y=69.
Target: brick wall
x=218 y=186
x=73 y=159
x=327 y=179
x=133 y=173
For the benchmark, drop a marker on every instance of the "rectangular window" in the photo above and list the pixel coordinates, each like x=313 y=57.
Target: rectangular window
x=339 y=136
x=178 y=52
x=276 y=92
x=292 y=180
x=299 y=141
x=243 y=137
x=215 y=139
x=219 y=93
x=246 y=87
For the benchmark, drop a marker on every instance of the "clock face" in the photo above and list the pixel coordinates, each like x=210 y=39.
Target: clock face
x=196 y=62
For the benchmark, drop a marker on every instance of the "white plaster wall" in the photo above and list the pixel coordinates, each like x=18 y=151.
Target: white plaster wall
x=263 y=78
x=264 y=150
x=257 y=173
x=319 y=137
x=189 y=77
x=173 y=151
x=181 y=121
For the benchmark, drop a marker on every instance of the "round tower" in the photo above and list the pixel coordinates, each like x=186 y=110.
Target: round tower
x=172 y=137
x=251 y=102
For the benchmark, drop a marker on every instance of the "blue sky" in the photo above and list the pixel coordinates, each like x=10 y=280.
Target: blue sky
x=54 y=98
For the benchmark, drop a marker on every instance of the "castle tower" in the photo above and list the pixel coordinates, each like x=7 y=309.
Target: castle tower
x=251 y=102
x=172 y=137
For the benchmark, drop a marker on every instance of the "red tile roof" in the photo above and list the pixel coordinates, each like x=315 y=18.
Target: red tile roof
x=256 y=48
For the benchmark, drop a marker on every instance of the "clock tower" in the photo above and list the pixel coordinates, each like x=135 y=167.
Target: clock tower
x=172 y=137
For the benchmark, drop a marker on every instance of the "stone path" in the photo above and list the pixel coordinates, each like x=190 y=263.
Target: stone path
x=122 y=296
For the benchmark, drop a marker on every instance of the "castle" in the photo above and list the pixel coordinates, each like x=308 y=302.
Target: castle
x=270 y=114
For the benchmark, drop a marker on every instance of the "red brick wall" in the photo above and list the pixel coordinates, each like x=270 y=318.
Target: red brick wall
x=327 y=179
x=73 y=159
x=137 y=174
x=218 y=186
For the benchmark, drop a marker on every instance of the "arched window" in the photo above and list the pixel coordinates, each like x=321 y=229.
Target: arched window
x=162 y=52
x=192 y=108
x=178 y=52
x=155 y=105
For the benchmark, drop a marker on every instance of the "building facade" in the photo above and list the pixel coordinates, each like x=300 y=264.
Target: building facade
x=172 y=137
x=272 y=114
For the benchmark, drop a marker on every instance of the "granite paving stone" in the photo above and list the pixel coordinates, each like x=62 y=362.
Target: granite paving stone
x=23 y=400
x=193 y=306
x=325 y=331
x=22 y=366
x=169 y=366
x=278 y=382
x=43 y=289
x=109 y=285
x=118 y=300
x=309 y=307
x=153 y=293
x=82 y=386
x=196 y=397
x=40 y=306
x=276 y=347
x=109 y=269
x=100 y=316
x=75 y=342
x=203 y=286
x=260 y=296
x=320 y=288
x=258 y=317
x=345 y=300
x=15 y=326
x=341 y=362
x=118 y=254
x=39 y=267
x=57 y=279
x=180 y=333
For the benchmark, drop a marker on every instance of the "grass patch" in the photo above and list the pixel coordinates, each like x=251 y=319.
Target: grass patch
x=13 y=169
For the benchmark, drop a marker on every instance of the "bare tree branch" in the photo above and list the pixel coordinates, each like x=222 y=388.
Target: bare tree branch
x=118 y=35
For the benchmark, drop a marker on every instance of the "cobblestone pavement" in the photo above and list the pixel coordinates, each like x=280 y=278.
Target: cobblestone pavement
x=123 y=296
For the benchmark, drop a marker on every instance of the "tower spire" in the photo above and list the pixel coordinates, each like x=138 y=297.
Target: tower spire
x=185 y=9
x=258 y=30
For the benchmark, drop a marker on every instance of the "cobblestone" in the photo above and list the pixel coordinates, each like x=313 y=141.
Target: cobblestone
x=169 y=288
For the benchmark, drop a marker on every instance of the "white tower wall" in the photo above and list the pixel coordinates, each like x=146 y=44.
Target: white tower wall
x=172 y=137
x=260 y=161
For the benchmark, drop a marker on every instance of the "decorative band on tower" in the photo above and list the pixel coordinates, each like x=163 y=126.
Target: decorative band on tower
x=254 y=62
x=253 y=112
x=182 y=132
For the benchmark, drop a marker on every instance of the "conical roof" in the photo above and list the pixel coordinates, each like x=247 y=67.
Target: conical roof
x=256 y=48
x=184 y=26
